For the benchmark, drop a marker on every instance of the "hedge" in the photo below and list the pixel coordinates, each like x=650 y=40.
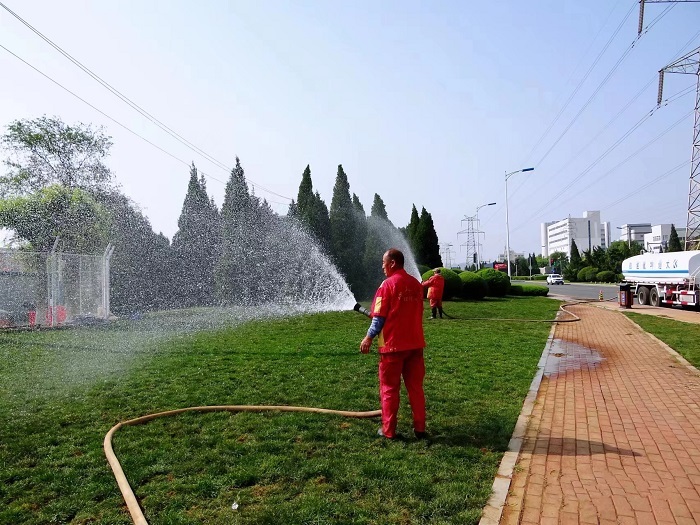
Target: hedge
x=498 y=282
x=473 y=286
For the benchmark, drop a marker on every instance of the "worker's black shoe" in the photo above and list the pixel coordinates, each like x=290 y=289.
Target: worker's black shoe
x=421 y=435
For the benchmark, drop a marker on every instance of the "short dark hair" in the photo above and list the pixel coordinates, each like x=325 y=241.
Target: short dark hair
x=437 y=271
x=394 y=254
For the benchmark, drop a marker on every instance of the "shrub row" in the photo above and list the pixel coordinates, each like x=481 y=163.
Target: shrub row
x=485 y=282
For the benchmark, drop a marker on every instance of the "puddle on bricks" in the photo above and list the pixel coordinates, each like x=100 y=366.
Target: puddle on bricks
x=565 y=356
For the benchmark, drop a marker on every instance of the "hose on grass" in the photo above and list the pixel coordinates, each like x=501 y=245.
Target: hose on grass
x=128 y=494
x=130 y=498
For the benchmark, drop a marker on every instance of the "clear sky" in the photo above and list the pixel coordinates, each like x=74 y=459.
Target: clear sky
x=425 y=103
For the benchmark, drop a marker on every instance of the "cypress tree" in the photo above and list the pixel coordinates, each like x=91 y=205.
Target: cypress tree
x=236 y=255
x=674 y=243
x=312 y=212
x=379 y=209
x=322 y=223
x=343 y=225
x=194 y=245
x=411 y=230
x=428 y=248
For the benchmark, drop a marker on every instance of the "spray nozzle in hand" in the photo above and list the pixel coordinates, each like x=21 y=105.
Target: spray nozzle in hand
x=359 y=308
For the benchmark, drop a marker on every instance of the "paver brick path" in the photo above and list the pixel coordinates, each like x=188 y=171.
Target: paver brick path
x=615 y=432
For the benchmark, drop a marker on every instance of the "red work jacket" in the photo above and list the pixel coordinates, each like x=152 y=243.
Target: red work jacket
x=399 y=300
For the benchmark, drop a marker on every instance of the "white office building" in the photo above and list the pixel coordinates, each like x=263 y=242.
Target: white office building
x=656 y=240
x=635 y=232
x=588 y=232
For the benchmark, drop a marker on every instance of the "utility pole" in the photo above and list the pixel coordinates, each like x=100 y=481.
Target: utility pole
x=689 y=65
x=471 y=233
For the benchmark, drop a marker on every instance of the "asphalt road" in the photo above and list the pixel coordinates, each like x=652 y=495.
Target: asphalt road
x=578 y=290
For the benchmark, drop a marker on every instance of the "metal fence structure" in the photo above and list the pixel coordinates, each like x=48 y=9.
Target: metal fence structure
x=53 y=289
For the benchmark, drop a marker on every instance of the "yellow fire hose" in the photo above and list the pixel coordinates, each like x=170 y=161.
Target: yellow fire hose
x=128 y=494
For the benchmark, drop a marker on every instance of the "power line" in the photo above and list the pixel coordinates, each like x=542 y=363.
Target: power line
x=132 y=104
x=679 y=121
x=580 y=84
x=112 y=118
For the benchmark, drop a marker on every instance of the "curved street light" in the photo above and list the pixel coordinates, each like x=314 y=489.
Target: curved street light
x=478 y=255
x=508 y=175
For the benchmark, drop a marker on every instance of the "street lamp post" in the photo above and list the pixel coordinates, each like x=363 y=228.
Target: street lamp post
x=478 y=255
x=508 y=175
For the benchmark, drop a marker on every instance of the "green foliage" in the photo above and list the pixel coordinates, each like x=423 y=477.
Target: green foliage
x=606 y=276
x=422 y=268
x=312 y=212
x=427 y=248
x=473 y=286
x=453 y=284
x=674 y=243
x=345 y=234
x=411 y=230
x=528 y=290
x=378 y=208
x=497 y=282
x=69 y=214
x=587 y=274
x=141 y=277
x=196 y=246
x=46 y=151
x=539 y=277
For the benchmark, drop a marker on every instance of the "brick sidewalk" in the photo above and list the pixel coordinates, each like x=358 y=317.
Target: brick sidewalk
x=615 y=432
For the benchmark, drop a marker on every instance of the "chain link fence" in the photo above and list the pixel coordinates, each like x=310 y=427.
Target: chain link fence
x=52 y=289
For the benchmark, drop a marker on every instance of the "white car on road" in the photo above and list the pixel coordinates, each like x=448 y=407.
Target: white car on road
x=555 y=278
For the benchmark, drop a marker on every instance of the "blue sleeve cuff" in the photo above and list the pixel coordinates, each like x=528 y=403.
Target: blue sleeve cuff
x=376 y=326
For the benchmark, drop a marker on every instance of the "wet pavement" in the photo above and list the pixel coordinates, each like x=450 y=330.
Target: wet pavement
x=611 y=434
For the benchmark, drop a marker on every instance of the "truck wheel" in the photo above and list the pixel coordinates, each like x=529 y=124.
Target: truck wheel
x=643 y=295
x=654 y=297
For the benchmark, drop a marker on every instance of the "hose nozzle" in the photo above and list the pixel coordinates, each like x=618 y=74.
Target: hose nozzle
x=359 y=308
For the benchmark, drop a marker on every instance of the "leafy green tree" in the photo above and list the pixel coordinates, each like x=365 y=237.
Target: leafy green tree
x=195 y=245
x=56 y=212
x=575 y=263
x=427 y=246
x=674 y=243
x=521 y=266
x=558 y=261
x=46 y=151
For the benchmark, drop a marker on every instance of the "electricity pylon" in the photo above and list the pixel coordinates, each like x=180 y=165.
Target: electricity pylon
x=641 y=9
x=471 y=241
x=689 y=65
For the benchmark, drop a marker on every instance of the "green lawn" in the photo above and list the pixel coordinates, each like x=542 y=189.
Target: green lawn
x=61 y=391
x=684 y=338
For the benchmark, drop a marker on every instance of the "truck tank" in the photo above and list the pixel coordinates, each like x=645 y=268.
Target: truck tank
x=662 y=268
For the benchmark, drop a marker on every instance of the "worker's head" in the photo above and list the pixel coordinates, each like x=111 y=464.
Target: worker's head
x=392 y=261
x=437 y=271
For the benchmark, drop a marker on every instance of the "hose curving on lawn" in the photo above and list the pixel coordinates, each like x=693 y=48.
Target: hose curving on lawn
x=128 y=494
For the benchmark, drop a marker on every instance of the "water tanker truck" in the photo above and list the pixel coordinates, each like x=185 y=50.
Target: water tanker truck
x=664 y=279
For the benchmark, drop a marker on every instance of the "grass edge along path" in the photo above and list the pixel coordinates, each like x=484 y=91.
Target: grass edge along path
x=288 y=468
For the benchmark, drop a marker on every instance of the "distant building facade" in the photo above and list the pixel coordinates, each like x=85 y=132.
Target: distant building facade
x=656 y=240
x=588 y=232
x=635 y=232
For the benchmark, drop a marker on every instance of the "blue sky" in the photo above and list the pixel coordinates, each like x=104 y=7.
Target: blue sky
x=425 y=103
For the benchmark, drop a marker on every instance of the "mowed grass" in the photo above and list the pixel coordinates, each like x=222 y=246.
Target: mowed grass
x=684 y=338
x=279 y=468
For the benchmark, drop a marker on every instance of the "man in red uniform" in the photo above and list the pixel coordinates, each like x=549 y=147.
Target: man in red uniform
x=397 y=317
x=435 y=285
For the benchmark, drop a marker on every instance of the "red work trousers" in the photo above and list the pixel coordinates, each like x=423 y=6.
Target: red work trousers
x=392 y=366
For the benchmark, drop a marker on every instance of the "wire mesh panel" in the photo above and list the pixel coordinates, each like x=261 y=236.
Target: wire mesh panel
x=52 y=289
x=23 y=293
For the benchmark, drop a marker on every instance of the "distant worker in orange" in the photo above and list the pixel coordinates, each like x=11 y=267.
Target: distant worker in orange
x=435 y=286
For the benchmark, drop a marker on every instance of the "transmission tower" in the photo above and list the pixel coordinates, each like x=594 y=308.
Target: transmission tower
x=689 y=65
x=447 y=252
x=641 y=9
x=471 y=233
